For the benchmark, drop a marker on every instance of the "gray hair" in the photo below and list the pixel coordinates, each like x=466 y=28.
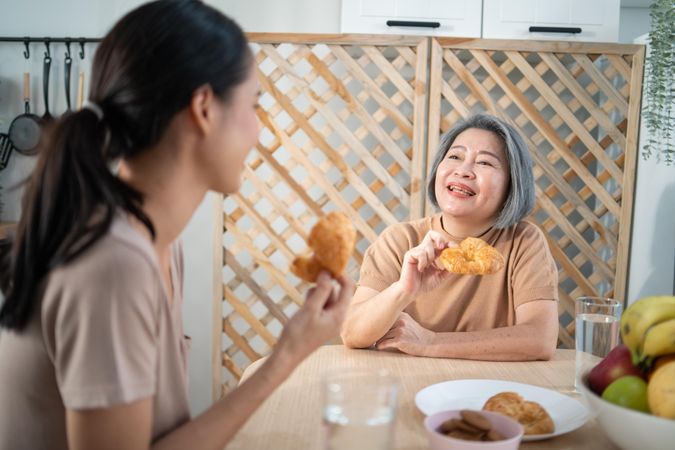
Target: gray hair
x=520 y=199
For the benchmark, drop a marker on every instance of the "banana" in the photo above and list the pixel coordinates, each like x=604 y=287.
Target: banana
x=659 y=340
x=642 y=315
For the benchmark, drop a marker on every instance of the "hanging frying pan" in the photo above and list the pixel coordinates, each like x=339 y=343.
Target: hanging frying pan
x=25 y=129
x=46 y=117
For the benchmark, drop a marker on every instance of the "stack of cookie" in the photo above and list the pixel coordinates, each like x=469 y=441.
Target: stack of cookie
x=472 y=426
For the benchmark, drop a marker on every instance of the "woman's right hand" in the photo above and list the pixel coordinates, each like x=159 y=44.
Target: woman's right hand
x=419 y=272
x=319 y=319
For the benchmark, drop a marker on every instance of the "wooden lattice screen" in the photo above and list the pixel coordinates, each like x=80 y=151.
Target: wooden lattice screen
x=346 y=123
x=577 y=107
x=342 y=129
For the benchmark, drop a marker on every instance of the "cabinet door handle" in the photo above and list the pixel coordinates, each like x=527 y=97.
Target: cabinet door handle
x=412 y=23
x=573 y=30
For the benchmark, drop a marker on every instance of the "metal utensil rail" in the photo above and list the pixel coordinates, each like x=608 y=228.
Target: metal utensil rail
x=27 y=40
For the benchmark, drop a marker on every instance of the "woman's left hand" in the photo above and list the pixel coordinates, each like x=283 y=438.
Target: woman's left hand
x=407 y=336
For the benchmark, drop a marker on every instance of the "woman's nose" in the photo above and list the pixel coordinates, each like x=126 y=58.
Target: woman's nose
x=464 y=170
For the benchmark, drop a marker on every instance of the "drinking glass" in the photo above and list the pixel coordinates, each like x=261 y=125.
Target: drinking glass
x=359 y=409
x=597 y=332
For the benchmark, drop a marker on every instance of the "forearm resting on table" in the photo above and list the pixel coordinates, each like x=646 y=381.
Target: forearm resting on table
x=371 y=314
x=523 y=342
x=100 y=428
x=217 y=426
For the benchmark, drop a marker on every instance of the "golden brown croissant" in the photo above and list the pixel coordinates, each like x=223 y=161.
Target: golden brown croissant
x=531 y=415
x=473 y=257
x=332 y=239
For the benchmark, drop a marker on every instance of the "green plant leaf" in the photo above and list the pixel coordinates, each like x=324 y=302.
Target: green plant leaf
x=660 y=82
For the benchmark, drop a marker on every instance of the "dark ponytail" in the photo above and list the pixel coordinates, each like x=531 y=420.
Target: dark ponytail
x=144 y=72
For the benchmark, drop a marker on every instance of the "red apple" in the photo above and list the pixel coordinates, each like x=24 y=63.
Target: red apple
x=616 y=364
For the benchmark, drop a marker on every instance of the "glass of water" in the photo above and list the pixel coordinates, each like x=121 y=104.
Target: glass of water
x=359 y=409
x=597 y=331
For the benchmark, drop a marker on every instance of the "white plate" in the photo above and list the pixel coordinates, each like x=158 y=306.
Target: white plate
x=567 y=413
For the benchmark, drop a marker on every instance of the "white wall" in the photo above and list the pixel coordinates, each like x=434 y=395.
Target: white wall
x=633 y=22
x=652 y=258
x=652 y=262
x=287 y=16
x=73 y=18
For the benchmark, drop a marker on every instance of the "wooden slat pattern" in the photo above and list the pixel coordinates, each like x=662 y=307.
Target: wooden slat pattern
x=352 y=123
x=343 y=128
x=577 y=108
x=630 y=169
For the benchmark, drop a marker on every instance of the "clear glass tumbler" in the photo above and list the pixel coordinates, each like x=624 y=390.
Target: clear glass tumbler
x=597 y=322
x=359 y=409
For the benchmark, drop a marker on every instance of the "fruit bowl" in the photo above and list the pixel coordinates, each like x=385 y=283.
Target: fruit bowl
x=627 y=428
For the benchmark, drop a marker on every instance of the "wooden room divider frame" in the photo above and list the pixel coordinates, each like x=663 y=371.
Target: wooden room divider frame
x=352 y=122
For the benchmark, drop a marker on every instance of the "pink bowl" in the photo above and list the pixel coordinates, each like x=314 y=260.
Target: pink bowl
x=507 y=427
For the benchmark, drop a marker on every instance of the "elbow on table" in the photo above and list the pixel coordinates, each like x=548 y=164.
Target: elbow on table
x=543 y=350
x=546 y=353
x=352 y=340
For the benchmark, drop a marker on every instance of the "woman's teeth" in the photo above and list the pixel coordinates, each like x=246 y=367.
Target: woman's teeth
x=460 y=190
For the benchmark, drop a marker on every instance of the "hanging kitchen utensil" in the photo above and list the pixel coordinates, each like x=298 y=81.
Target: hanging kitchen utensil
x=25 y=129
x=6 y=148
x=66 y=67
x=46 y=117
x=80 y=91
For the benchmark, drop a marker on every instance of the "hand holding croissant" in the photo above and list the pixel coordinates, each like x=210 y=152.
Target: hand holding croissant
x=332 y=240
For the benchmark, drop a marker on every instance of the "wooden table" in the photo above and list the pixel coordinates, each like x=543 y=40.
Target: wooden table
x=291 y=417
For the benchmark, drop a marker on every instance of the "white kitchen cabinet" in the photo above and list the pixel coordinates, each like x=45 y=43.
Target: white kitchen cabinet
x=573 y=20
x=432 y=17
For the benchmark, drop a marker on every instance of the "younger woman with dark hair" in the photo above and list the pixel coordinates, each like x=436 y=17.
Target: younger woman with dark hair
x=92 y=349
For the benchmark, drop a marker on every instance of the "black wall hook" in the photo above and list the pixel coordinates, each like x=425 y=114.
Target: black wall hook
x=81 y=48
x=47 y=53
x=26 y=53
x=67 y=54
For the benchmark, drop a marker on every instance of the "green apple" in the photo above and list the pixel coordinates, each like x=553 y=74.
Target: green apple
x=629 y=391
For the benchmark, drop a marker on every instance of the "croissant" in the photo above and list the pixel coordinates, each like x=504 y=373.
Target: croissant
x=473 y=257
x=531 y=415
x=332 y=240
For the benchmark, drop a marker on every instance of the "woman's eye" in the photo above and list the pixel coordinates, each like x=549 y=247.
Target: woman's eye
x=453 y=157
x=484 y=163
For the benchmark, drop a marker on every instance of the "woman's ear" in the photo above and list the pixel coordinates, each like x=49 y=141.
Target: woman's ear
x=201 y=108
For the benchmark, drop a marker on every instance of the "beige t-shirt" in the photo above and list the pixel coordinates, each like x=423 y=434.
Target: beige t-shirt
x=465 y=302
x=104 y=334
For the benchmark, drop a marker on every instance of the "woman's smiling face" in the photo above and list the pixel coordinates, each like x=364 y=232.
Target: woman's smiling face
x=472 y=181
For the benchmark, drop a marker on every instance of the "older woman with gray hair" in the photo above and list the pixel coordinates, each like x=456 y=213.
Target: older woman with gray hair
x=482 y=182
